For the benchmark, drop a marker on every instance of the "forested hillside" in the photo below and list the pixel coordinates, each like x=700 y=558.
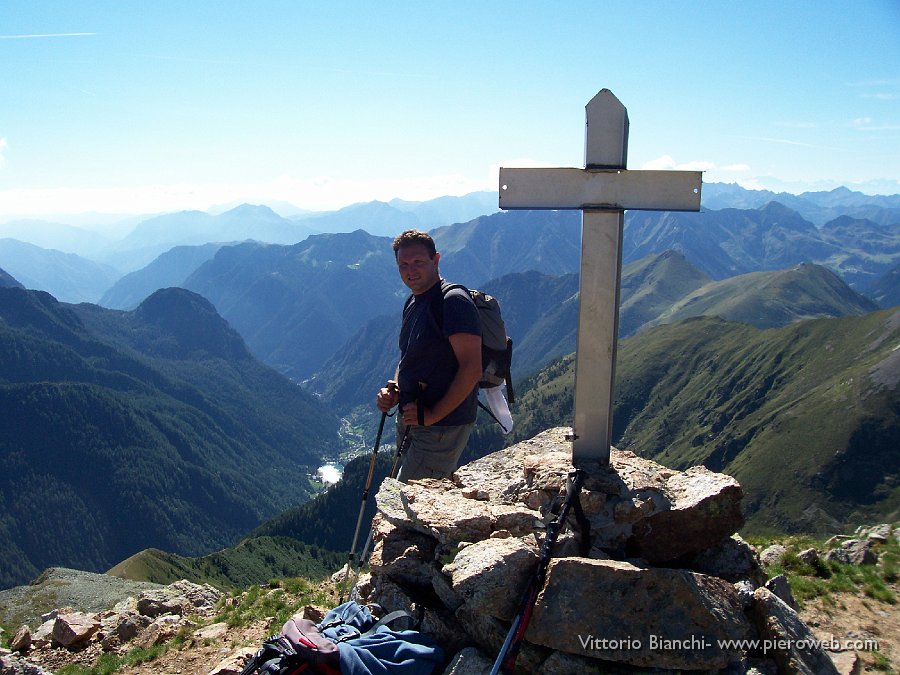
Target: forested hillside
x=153 y=428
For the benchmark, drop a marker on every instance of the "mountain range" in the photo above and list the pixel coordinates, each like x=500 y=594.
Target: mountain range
x=816 y=207
x=543 y=311
x=714 y=240
x=155 y=427
x=161 y=407
x=264 y=290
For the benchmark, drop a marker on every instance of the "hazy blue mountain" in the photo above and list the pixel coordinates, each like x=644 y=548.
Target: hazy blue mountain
x=8 y=281
x=886 y=290
x=729 y=242
x=512 y=241
x=541 y=316
x=295 y=305
x=392 y=218
x=866 y=250
x=443 y=211
x=156 y=235
x=362 y=364
x=150 y=428
x=57 y=236
x=66 y=276
x=376 y=218
x=169 y=269
x=816 y=207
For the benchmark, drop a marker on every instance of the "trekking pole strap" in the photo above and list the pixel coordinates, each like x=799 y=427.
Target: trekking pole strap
x=493 y=416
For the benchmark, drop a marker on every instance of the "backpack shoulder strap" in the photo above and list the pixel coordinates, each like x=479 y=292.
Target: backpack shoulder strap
x=388 y=618
x=438 y=307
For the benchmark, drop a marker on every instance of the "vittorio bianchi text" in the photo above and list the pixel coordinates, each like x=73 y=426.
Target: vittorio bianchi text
x=701 y=642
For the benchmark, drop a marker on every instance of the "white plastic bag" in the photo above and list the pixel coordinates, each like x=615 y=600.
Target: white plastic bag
x=496 y=401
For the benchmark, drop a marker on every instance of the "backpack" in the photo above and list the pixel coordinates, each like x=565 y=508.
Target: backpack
x=496 y=345
x=348 y=640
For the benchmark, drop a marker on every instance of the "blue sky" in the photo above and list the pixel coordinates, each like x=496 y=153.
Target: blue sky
x=122 y=106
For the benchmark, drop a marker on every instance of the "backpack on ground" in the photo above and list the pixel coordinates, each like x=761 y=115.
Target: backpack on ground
x=349 y=640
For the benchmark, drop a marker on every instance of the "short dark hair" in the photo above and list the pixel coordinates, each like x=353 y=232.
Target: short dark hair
x=411 y=237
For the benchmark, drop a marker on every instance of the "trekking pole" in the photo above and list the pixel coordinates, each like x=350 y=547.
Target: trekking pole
x=398 y=456
x=362 y=506
x=395 y=468
x=506 y=659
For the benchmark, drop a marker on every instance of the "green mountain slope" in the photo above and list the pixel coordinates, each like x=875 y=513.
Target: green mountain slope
x=769 y=299
x=329 y=519
x=255 y=560
x=651 y=285
x=807 y=416
x=121 y=431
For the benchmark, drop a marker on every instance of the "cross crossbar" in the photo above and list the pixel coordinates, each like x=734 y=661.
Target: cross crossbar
x=612 y=189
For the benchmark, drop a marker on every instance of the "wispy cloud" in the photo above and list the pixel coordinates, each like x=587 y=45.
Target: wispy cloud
x=667 y=163
x=3 y=146
x=787 y=141
x=797 y=125
x=868 y=124
x=37 y=36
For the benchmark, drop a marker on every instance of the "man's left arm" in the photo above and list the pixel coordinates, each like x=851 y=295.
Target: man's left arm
x=467 y=349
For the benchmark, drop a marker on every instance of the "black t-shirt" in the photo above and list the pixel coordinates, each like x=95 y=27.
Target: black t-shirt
x=427 y=362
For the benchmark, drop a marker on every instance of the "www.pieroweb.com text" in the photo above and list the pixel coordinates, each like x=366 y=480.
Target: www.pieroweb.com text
x=693 y=643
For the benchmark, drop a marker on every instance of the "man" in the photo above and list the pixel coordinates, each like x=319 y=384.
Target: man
x=440 y=364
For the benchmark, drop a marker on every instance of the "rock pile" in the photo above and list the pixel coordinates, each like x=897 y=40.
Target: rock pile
x=667 y=583
x=153 y=617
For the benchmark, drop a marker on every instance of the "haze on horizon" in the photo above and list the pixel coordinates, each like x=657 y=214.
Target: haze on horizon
x=124 y=108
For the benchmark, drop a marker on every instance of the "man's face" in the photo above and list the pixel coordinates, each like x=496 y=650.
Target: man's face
x=417 y=270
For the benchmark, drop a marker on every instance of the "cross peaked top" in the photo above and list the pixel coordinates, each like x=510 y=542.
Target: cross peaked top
x=602 y=190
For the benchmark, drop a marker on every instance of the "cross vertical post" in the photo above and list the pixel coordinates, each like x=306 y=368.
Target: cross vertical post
x=605 y=147
x=603 y=190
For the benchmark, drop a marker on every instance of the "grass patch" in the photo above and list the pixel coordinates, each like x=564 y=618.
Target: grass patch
x=821 y=578
x=277 y=601
x=109 y=663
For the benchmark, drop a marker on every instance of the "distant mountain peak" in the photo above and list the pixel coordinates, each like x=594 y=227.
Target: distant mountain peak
x=8 y=281
x=189 y=324
x=244 y=209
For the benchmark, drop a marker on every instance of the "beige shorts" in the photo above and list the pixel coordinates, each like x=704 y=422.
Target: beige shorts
x=433 y=451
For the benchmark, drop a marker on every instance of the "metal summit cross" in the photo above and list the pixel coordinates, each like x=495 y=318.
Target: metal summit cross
x=602 y=191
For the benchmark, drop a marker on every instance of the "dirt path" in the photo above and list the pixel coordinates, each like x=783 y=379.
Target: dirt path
x=853 y=620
